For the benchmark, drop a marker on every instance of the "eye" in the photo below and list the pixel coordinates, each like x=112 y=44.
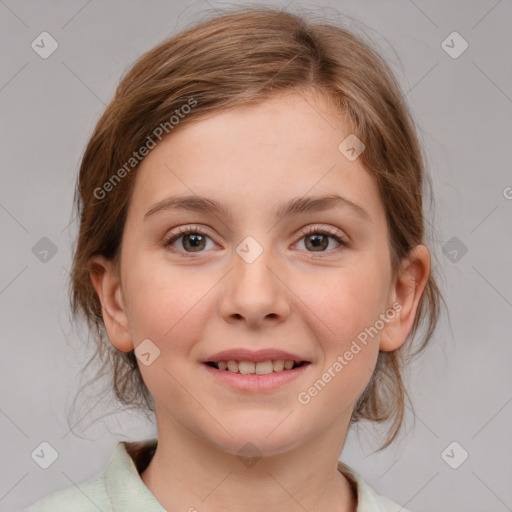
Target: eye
x=318 y=239
x=193 y=240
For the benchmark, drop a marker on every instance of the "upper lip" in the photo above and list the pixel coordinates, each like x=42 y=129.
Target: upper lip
x=242 y=354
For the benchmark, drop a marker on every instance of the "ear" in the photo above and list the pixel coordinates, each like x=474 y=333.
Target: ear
x=106 y=281
x=406 y=294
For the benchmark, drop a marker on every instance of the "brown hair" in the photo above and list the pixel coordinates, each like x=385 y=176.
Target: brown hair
x=238 y=58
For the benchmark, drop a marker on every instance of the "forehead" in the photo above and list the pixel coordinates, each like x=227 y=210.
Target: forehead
x=254 y=158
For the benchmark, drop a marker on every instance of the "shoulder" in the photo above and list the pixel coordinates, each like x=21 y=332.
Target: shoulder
x=89 y=496
x=118 y=488
x=367 y=498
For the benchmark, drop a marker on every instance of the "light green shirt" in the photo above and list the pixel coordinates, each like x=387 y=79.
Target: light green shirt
x=119 y=488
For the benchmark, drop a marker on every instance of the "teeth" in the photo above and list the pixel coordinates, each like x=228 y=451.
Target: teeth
x=233 y=366
x=278 y=365
x=261 y=368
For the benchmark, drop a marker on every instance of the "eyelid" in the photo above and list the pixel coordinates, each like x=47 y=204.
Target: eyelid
x=180 y=231
x=315 y=228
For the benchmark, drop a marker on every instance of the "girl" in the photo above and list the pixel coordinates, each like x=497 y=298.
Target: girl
x=251 y=257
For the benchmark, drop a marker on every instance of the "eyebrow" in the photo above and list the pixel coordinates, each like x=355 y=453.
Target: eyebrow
x=297 y=205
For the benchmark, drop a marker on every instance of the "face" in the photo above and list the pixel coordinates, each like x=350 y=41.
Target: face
x=308 y=281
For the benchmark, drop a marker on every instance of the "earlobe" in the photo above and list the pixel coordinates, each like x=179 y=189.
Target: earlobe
x=406 y=295
x=105 y=279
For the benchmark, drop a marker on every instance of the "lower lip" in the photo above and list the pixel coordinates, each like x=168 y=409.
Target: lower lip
x=256 y=383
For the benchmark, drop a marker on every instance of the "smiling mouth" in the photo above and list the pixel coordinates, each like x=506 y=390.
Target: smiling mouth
x=260 y=368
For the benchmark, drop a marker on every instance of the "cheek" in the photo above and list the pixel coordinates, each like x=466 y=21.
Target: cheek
x=165 y=302
x=167 y=306
x=342 y=308
x=347 y=354
x=345 y=302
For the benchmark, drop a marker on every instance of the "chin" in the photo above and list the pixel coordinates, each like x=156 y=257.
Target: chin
x=258 y=439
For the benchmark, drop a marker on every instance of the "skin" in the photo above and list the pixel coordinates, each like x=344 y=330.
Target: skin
x=309 y=301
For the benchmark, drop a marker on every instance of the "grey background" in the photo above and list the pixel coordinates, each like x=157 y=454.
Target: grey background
x=461 y=387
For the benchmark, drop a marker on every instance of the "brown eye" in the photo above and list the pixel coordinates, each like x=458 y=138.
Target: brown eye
x=318 y=240
x=194 y=242
x=187 y=240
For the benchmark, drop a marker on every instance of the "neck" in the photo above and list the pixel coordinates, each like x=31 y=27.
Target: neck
x=304 y=477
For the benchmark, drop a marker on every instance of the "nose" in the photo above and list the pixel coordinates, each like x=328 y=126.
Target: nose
x=255 y=292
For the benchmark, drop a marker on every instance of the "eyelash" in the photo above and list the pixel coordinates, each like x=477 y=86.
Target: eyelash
x=309 y=231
